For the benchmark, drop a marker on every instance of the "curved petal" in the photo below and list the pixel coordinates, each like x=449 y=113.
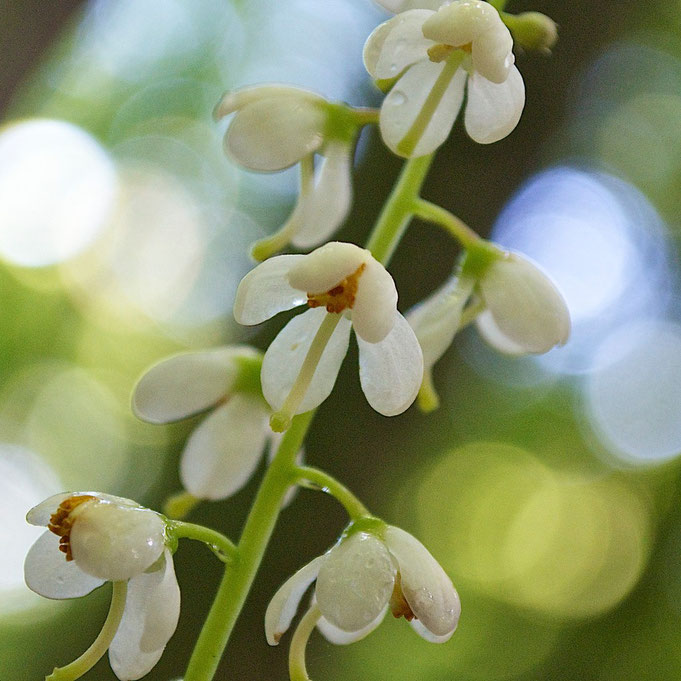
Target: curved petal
x=461 y=23
x=425 y=585
x=494 y=336
x=285 y=355
x=355 y=582
x=493 y=110
x=391 y=371
x=436 y=319
x=186 y=384
x=265 y=291
x=47 y=572
x=40 y=515
x=527 y=308
x=342 y=638
x=222 y=453
x=238 y=99
x=284 y=604
x=152 y=609
x=492 y=53
x=405 y=101
x=327 y=266
x=274 y=133
x=373 y=313
x=325 y=209
x=116 y=542
x=429 y=636
x=390 y=50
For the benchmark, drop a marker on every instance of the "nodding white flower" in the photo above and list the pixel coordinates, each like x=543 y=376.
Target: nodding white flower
x=224 y=450
x=436 y=321
x=524 y=310
x=434 y=54
x=277 y=126
x=360 y=578
x=344 y=287
x=93 y=538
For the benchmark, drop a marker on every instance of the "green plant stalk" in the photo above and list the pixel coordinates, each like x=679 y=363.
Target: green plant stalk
x=220 y=545
x=282 y=472
x=327 y=483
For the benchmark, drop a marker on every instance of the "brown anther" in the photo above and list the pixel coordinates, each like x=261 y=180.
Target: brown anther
x=340 y=297
x=398 y=604
x=61 y=521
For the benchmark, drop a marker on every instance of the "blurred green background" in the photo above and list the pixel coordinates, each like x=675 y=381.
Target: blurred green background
x=547 y=487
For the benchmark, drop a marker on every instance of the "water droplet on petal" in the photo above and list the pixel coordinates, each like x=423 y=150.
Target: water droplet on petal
x=399 y=98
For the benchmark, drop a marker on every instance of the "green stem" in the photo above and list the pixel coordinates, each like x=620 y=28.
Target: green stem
x=499 y=5
x=365 y=116
x=297 y=670
x=238 y=578
x=101 y=644
x=220 y=545
x=327 y=483
x=442 y=217
x=398 y=209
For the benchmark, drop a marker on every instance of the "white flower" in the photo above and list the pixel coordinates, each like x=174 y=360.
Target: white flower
x=436 y=321
x=397 y=6
x=525 y=312
x=223 y=451
x=434 y=54
x=93 y=538
x=276 y=127
x=345 y=287
x=359 y=578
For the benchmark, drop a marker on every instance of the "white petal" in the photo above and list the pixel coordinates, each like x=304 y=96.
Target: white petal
x=373 y=313
x=492 y=53
x=494 y=337
x=390 y=50
x=355 y=582
x=527 y=307
x=48 y=573
x=274 y=133
x=405 y=101
x=222 y=453
x=342 y=638
x=493 y=110
x=152 y=609
x=238 y=99
x=284 y=358
x=327 y=206
x=391 y=371
x=327 y=266
x=436 y=319
x=186 y=384
x=265 y=291
x=396 y=6
x=116 y=542
x=429 y=636
x=425 y=585
x=284 y=604
x=460 y=23
x=40 y=515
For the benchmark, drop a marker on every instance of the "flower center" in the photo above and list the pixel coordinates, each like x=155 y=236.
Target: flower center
x=61 y=521
x=398 y=604
x=441 y=51
x=340 y=297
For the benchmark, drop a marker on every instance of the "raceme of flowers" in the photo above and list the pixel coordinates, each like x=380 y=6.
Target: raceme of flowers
x=93 y=538
x=223 y=451
x=360 y=578
x=275 y=127
x=344 y=287
x=433 y=55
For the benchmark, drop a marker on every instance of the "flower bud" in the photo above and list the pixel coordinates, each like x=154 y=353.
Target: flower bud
x=532 y=30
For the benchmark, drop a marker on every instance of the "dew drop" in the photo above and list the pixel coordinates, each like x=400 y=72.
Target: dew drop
x=399 y=98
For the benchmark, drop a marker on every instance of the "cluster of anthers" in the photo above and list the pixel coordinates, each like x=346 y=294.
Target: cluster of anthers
x=429 y=57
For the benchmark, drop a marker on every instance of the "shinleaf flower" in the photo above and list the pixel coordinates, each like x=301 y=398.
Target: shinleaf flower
x=344 y=287
x=223 y=451
x=433 y=54
x=93 y=538
x=360 y=578
x=275 y=127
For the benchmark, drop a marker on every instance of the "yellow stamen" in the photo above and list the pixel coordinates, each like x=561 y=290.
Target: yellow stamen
x=340 y=297
x=439 y=52
x=61 y=521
